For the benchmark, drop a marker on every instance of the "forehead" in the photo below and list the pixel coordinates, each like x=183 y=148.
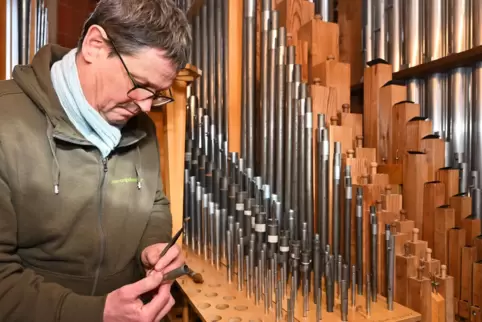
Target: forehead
x=152 y=66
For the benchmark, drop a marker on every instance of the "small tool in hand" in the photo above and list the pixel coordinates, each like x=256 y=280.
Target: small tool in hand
x=173 y=240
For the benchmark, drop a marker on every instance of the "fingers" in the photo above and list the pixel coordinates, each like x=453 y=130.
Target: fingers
x=166 y=309
x=170 y=256
x=176 y=263
x=158 y=303
x=133 y=291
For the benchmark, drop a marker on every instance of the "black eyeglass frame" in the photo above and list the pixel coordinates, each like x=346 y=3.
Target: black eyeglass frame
x=155 y=95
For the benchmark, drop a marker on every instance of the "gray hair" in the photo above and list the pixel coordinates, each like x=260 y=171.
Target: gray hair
x=136 y=24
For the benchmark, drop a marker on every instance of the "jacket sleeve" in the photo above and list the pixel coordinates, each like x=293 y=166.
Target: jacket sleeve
x=24 y=296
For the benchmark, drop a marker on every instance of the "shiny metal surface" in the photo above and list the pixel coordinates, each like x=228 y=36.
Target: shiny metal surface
x=414 y=90
x=326 y=9
x=380 y=30
x=477 y=122
x=394 y=33
x=459 y=25
x=476 y=133
x=24 y=31
x=367 y=21
x=412 y=27
x=434 y=31
x=460 y=111
x=436 y=103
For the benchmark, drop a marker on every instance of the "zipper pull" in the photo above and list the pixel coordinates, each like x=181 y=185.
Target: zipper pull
x=104 y=162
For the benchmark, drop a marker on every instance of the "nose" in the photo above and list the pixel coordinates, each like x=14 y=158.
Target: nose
x=145 y=105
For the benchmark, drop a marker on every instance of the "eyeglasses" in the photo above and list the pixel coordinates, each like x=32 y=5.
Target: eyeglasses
x=140 y=93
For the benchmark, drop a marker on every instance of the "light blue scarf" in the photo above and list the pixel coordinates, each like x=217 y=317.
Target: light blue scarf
x=85 y=118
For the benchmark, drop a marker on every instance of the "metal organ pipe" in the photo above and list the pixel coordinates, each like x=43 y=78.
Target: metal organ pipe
x=380 y=30
x=367 y=31
x=460 y=82
x=393 y=18
x=436 y=85
x=477 y=106
x=412 y=45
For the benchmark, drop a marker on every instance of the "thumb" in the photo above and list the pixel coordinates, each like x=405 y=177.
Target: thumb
x=145 y=285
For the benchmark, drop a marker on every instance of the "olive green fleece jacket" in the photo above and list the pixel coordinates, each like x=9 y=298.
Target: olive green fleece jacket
x=72 y=225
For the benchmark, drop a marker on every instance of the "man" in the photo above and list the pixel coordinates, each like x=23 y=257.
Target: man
x=83 y=217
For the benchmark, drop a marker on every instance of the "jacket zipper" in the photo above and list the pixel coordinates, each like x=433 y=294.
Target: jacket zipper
x=101 y=228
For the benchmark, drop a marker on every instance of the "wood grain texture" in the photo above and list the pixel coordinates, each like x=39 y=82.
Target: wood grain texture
x=322 y=42
x=375 y=77
x=332 y=73
x=390 y=94
x=433 y=197
x=402 y=113
x=434 y=147
x=445 y=220
x=463 y=207
x=293 y=14
x=415 y=174
x=446 y=289
x=417 y=129
x=469 y=255
x=350 y=22
x=456 y=241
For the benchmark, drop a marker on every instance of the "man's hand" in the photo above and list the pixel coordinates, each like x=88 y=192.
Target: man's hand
x=124 y=304
x=151 y=259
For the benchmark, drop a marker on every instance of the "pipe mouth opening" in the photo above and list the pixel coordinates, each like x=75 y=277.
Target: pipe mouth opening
x=395 y=82
x=404 y=102
x=418 y=118
x=377 y=61
x=415 y=152
x=431 y=136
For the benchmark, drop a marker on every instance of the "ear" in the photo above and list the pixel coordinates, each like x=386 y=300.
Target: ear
x=94 y=46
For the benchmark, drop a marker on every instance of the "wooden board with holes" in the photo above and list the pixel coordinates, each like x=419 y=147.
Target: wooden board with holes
x=217 y=300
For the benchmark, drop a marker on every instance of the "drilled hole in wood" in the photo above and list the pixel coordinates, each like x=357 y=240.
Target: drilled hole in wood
x=236 y=319
x=241 y=307
x=213 y=294
x=229 y=298
x=222 y=306
x=204 y=305
x=215 y=318
x=214 y=285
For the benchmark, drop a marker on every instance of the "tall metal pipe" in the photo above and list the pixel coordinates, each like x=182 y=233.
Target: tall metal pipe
x=436 y=85
x=460 y=112
x=459 y=25
x=204 y=56
x=280 y=106
x=412 y=26
x=212 y=88
x=380 y=30
x=250 y=70
x=325 y=9
x=265 y=24
x=273 y=44
x=198 y=49
x=219 y=79
x=24 y=31
x=367 y=20
x=394 y=34
x=226 y=72
x=477 y=96
x=460 y=81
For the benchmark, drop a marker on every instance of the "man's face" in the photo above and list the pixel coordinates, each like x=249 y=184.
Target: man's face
x=150 y=72
x=120 y=86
